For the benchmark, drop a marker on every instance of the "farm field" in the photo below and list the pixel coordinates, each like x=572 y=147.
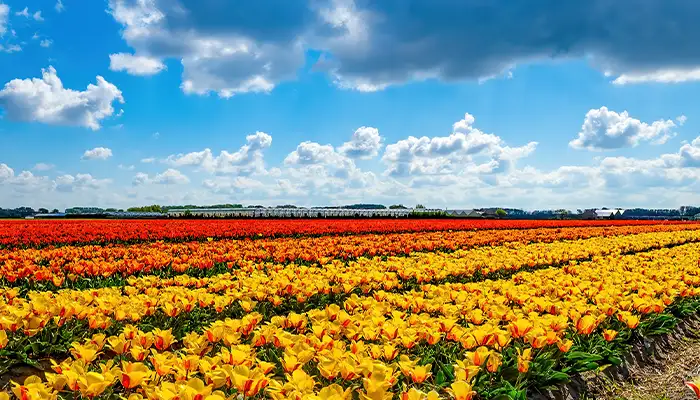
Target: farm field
x=332 y=309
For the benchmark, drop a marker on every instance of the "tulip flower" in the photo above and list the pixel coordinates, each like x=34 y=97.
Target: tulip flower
x=494 y=361
x=163 y=338
x=133 y=374
x=524 y=358
x=119 y=344
x=694 y=385
x=609 y=335
x=87 y=353
x=93 y=384
x=334 y=392
x=461 y=390
x=586 y=324
x=520 y=328
x=415 y=394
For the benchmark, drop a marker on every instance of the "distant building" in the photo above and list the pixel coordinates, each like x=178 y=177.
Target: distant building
x=609 y=214
x=463 y=213
x=589 y=214
x=294 y=213
x=490 y=213
x=50 y=215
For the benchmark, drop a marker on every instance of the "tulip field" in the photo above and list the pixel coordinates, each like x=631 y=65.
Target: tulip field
x=331 y=309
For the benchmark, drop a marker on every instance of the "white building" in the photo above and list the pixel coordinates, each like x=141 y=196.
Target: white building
x=293 y=213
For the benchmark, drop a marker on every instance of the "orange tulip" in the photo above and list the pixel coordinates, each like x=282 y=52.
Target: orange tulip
x=609 y=334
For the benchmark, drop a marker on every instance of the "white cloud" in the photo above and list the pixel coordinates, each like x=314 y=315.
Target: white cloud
x=148 y=160
x=4 y=13
x=135 y=65
x=45 y=100
x=12 y=48
x=604 y=129
x=126 y=167
x=309 y=153
x=26 y=182
x=452 y=154
x=69 y=183
x=6 y=173
x=98 y=153
x=247 y=160
x=37 y=16
x=59 y=6
x=140 y=179
x=43 y=167
x=238 y=185
x=24 y=13
x=168 y=177
x=660 y=76
x=365 y=143
x=229 y=48
x=681 y=120
x=220 y=55
x=46 y=43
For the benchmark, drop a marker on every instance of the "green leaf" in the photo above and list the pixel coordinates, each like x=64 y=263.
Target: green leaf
x=440 y=378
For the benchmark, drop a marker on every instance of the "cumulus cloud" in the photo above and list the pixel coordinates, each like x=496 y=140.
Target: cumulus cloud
x=238 y=185
x=367 y=46
x=59 y=6
x=135 y=65
x=98 y=153
x=453 y=153
x=605 y=129
x=660 y=76
x=148 y=160
x=140 y=178
x=43 y=167
x=168 y=177
x=6 y=173
x=11 y=48
x=37 y=16
x=46 y=43
x=223 y=48
x=45 y=100
x=69 y=183
x=24 y=13
x=247 y=160
x=309 y=153
x=365 y=143
x=4 y=13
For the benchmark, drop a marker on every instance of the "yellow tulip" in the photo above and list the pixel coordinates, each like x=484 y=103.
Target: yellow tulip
x=133 y=374
x=461 y=390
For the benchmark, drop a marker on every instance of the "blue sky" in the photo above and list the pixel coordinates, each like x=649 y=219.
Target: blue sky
x=450 y=104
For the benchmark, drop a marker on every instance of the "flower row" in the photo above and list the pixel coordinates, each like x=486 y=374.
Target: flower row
x=42 y=232
x=54 y=264
x=372 y=346
x=277 y=285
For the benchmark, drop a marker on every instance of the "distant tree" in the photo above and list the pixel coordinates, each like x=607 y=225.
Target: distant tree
x=43 y=211
x=111 y=210
x=420 y=206
x=54 y=211
x=500 y=213
x=152 y=208
x=397 y=207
